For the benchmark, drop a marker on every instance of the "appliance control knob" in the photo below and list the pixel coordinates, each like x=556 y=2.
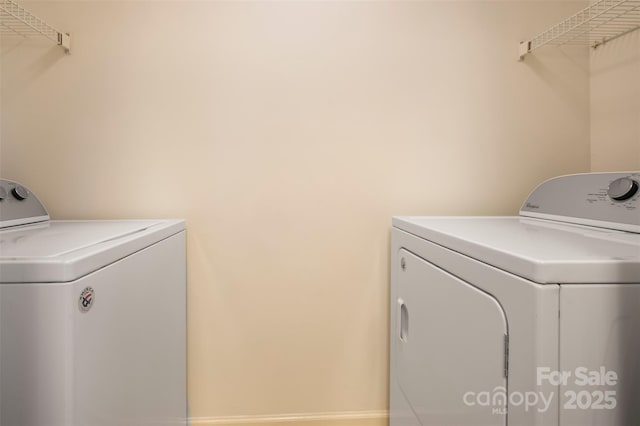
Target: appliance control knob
x=20 y=193
x=622 y=189
x=3 y=193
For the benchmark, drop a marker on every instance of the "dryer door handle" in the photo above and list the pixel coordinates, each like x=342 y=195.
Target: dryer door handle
x=403 y=321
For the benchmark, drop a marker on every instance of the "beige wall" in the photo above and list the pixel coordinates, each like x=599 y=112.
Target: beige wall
x=615 y=105
x=288 y=134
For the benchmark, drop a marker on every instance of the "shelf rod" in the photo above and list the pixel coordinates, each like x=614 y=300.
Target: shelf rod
x=596 y=24
x=13 y=14
x=608 y=21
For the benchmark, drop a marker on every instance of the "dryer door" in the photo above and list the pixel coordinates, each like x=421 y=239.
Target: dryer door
x=452 y=349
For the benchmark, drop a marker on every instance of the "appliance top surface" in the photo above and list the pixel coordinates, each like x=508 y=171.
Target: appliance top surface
x=56 y=238
x=543 y=251
x=60 y=251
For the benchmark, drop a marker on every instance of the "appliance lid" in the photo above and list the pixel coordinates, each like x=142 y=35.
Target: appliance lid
x=540 y=250
x=62 y=251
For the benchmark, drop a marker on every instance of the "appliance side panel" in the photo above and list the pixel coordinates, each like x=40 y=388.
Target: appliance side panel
x=600 y=354
x=400 y=412
x=131 y=343
x=36 y=354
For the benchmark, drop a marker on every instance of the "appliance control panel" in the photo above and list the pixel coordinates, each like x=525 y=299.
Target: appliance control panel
x=18 y=205
x=607 y=200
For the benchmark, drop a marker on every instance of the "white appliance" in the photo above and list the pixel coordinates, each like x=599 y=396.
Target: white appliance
x=92 y=318
x=526 y=320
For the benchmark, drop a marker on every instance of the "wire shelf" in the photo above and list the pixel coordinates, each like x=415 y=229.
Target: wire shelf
x=601 y=22
x=17 y=21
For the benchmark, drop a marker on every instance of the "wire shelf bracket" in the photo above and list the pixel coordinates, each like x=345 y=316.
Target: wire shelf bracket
x=595 y=25
x=19 y=22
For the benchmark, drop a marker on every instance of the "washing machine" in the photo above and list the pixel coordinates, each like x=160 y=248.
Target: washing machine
x=521 y=320
x=92 y=318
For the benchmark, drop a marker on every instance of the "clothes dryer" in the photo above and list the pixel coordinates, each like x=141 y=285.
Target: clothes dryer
x=531 y=320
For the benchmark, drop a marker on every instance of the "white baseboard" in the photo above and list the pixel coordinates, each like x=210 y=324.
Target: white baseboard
x=350 y=418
